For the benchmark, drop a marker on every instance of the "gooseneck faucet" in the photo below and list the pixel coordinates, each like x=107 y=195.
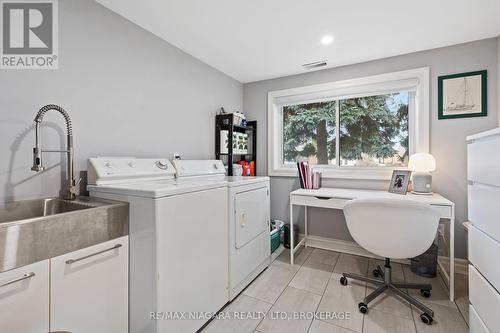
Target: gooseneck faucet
x=71 y=185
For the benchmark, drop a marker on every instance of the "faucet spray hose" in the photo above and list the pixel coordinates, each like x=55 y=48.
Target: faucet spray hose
x=43 y=111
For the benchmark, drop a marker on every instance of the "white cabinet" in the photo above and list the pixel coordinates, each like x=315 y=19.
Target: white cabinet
x=475 y=323
x=483 y=174
x=24 y=299
x=483 y=254
x=485 y=299
x=484 y=210
x=483 y=158
x=82 y=291
x=89 y=289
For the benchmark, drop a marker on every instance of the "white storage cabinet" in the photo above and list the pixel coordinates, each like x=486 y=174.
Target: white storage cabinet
x=24 y=299
x=89 y=289
x=483 y=176
x=81 y=291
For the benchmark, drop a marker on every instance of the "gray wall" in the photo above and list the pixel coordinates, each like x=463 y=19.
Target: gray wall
x=498 y=78
x=130 y=93
x=127 y=91
x=447 y=136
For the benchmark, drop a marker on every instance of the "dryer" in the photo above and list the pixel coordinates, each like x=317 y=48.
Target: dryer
x=249 y=226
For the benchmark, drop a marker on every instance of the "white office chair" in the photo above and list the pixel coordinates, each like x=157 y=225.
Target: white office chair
x=392 y=228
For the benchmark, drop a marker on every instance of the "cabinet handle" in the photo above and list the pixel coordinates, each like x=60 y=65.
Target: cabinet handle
x=71 y=261
x=24 y=277
x=323 y=198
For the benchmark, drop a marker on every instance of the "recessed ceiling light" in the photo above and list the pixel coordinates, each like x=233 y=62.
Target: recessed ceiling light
x=327 y=39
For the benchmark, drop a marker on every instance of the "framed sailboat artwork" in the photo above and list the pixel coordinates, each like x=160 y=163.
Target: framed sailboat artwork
x=462 y=95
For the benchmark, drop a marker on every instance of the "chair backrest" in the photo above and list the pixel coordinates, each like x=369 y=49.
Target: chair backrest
x=392 y=228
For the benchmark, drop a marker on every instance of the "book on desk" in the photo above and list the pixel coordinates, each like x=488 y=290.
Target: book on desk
x=308 y=177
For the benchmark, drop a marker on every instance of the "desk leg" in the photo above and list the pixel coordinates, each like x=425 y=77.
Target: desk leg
x=292 y=248
x=305 y=226
x=452 y=255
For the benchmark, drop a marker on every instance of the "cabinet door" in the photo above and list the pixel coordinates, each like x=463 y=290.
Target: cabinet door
x=484 y=210
x=24 y=299
x=475 y=323
x=89 y=289
x=483 y=160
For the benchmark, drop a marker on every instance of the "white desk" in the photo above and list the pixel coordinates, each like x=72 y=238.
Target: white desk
x=336 y=198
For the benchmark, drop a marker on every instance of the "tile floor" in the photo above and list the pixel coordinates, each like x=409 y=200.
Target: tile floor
x=312 y=286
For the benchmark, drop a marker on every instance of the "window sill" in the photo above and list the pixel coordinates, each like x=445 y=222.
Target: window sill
x=355 y=173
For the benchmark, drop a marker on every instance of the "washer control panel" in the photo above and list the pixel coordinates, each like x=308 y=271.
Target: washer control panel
x=163 y=164
x=189 y=168
x=112 y=170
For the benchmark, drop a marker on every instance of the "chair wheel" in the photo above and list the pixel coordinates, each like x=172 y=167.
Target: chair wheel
x=376 y=272
x=426 y=319
x=425 y=292
x=363 y=308
x=343 y=281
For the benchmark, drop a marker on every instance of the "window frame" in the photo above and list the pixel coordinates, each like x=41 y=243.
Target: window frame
x=416 y=80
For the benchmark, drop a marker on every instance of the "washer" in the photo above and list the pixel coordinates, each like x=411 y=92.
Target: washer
x=178 y=240
x=248 y=217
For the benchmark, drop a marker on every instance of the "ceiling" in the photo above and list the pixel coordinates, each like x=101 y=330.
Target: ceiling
x=253 y=40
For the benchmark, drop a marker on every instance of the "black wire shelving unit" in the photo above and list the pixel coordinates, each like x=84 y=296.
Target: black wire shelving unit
x=225 y=122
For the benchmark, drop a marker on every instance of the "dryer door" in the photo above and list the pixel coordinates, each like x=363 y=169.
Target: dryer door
x=251 y=216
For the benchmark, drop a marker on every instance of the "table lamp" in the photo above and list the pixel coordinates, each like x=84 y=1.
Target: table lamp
x=421 y=165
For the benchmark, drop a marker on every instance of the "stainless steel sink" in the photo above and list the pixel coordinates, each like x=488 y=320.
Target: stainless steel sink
x=29 y=209
x=35 y=230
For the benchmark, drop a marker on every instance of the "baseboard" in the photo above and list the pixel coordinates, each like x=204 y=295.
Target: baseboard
x=342 y=246
x=461 y=265
x=349 y=247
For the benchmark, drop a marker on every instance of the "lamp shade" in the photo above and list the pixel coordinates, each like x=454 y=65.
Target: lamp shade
x=422 y=162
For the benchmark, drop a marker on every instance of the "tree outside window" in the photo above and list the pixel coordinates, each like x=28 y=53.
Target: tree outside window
x=309 y=133
x=373 y=131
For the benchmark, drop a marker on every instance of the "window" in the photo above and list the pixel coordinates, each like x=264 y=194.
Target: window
x=374 y=130
x=362 y=128
x=310 y=133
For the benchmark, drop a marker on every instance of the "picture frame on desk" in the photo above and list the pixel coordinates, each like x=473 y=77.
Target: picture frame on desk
x=400 y=181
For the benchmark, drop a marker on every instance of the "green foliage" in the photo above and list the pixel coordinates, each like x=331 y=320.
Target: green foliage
x=368 y=125
x=307 y=129
x=403 y=117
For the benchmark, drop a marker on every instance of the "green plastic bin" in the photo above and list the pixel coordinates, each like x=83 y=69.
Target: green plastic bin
x=276 y=232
